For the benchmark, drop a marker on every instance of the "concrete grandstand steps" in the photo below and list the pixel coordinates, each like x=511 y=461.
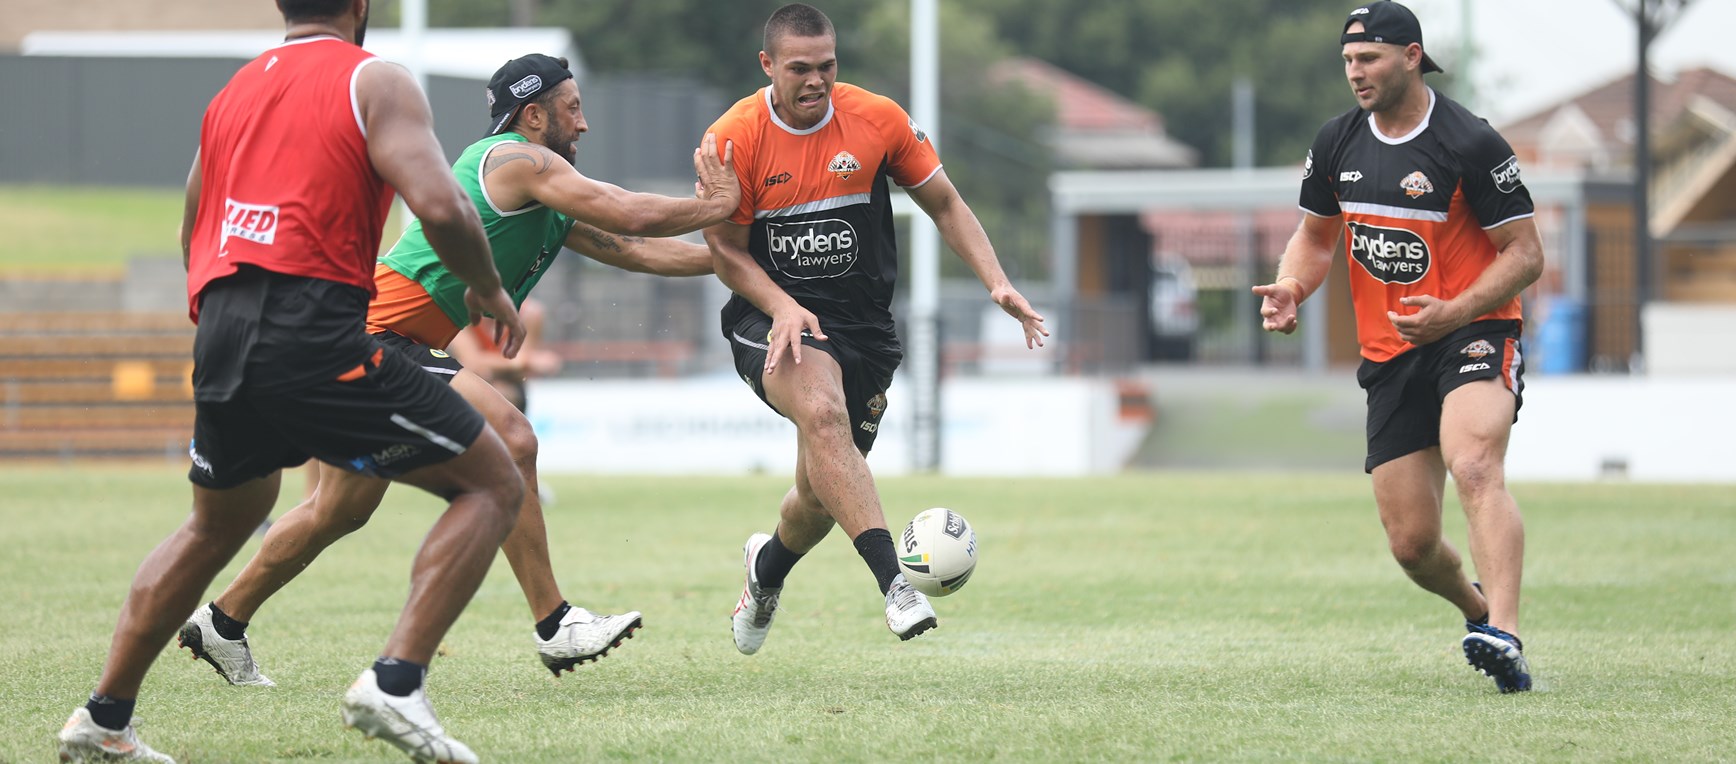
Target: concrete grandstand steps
x=95 y=383
x=62 y=369
x=114 y=416
x=106 y=322
x=57 y=389
x=100 y=442
x=95 y=343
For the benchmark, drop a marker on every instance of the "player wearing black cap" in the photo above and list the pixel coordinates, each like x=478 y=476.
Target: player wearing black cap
x=531 y=202
x=1441 y=242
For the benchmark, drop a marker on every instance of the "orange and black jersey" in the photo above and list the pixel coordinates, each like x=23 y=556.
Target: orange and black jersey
x=820 y=208
x=1416 y=210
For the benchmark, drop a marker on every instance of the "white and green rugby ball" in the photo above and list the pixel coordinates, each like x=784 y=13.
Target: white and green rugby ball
x=937 y=552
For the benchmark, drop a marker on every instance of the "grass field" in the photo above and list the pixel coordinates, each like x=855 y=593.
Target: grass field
x=92 y=231
x=1179 y=617
x=85 y=230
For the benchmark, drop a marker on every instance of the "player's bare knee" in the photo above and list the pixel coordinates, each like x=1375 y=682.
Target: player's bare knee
x=335 y=525
x=1412 y=552
x=829 y=430
x=508 y=493
x=1478 y=473
x=521 y=441
x=215 y=528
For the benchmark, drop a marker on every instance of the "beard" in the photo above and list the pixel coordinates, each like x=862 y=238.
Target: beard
x=564 y=144
x=362 y=29
x=1390 y=94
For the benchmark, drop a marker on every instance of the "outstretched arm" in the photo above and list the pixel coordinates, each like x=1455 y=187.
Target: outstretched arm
x=517 y=174
x=1303 y=268
x=961 y=231
x=661 y=256
x=403 y=149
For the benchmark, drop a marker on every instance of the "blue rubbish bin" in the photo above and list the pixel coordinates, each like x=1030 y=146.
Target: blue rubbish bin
x=1561 y=337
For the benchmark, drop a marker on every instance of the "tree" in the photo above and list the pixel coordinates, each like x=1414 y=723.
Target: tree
x=1181 y=59
x=989 y=135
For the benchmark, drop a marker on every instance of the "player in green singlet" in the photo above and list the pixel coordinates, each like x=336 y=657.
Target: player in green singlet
x=532 y=202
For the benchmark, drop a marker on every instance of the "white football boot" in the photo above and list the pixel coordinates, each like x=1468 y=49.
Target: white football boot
x=907 y=610
x=407 y=722
x=232 y=659
x=85 y=740
x=754 y=611
x=584 y=637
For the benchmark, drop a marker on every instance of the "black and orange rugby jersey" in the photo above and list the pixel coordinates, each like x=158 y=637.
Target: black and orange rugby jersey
x=1416 y=210
x=820 y=208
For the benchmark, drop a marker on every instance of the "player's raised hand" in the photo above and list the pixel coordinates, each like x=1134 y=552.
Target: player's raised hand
x=498 y=305
x=1278 y=306
x=789 y=325
x=1016 y=306
x=1435 y=318
x=716 y=172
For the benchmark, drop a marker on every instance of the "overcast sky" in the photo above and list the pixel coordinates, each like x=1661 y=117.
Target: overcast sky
x=1532 y=53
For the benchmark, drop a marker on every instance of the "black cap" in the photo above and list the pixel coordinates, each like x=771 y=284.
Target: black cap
x=519 y=82
x=1391 y=23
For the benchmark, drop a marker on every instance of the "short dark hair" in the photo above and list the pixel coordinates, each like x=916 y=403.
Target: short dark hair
x=797 y=19
x=304 y=10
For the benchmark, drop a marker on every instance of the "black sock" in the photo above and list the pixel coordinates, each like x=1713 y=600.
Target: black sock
x=774 y=563
x=227 y=628
x=875 y=546
x=545 y=628
x=110 y=713
x=398 y=677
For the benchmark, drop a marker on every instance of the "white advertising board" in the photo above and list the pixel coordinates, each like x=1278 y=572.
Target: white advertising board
x=1029 y=426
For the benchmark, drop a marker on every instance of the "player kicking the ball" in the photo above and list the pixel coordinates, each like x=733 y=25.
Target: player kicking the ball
x=811 y=257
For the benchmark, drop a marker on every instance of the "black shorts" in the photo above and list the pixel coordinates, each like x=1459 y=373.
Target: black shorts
x=433 y=360
x=1405 y=393
x=380 y=416
x=867 y=374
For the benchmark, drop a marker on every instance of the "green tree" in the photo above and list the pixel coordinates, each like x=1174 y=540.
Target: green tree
x=1183 y=58
x=990 y=135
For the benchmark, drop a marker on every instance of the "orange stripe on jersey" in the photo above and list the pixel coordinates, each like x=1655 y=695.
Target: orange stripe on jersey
x=1396 y=253
x=785 y=171
x=405 y=307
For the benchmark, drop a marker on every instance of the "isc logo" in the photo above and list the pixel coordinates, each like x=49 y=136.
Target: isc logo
x=1390 y=255
x=813 y=249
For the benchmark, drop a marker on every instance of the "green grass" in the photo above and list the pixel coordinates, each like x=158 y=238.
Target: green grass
x=1159 y=617
x=85 y=230
x=93 y=231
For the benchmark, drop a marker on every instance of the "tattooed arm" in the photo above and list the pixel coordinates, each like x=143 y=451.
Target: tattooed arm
x=517 y=174
x=664 y=257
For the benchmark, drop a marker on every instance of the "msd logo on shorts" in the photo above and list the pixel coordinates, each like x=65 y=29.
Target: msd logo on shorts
x=1390 y=255
x=254 y=222
x=813 y=249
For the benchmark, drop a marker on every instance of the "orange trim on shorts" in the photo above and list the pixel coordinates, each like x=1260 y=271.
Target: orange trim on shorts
x=361 y=369
x=1509 y=356
x=405 y=307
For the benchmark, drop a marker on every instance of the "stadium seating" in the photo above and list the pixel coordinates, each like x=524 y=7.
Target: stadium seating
x=94 y=383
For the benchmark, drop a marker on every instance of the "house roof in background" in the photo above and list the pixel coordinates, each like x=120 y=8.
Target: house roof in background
x=1095 y=127
x=1609 y=107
